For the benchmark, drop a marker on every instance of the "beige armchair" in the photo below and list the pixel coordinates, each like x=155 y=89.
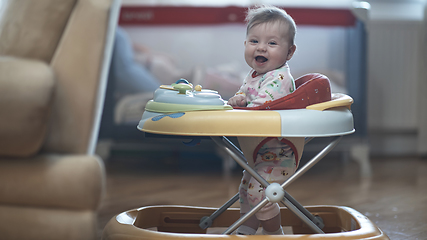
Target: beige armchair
x=54 y=60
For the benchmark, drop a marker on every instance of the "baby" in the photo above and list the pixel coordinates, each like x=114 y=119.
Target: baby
x=269 y=45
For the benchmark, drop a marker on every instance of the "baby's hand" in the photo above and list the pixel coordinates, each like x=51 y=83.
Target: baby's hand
x=237 y=101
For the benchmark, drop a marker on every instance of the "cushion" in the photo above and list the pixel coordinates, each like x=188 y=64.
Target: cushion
x=26 y=89
x=73 y=182
x=46 y=223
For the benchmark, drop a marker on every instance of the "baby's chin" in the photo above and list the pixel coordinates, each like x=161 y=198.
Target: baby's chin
x=264 y=71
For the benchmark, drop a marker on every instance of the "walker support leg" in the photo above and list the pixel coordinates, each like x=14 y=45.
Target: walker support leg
x=206 y=221
x=317 y=221
x=239 y=158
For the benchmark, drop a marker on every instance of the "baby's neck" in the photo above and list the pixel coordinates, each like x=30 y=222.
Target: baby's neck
x=256 y=74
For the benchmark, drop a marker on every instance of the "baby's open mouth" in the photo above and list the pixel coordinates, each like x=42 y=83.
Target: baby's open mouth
x=261 y=59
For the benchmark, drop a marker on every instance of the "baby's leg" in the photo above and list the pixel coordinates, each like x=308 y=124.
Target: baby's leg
x=269 y=215
x=275 y=162
x=251 y=225
x=272 y=226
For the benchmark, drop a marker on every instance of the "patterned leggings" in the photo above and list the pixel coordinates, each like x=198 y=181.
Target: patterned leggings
x=275 y=162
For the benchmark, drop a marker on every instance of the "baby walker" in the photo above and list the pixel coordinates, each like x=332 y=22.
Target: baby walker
x=310 y=111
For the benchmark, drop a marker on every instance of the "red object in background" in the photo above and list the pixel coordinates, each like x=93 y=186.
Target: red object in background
x=167 y=15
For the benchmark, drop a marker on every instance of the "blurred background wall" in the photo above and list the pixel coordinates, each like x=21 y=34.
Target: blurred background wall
x=391 y=79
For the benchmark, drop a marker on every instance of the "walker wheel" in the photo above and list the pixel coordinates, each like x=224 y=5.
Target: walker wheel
x=205 y=222
x=274 y=192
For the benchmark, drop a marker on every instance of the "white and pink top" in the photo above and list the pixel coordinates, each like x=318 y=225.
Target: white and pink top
x=264 y=88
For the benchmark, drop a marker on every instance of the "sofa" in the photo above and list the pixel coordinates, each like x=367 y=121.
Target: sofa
x=54 y=62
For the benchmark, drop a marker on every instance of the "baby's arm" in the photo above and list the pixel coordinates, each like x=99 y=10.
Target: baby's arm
x=238 y=100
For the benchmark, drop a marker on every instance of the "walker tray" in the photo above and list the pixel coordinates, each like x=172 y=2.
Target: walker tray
x=174 y=111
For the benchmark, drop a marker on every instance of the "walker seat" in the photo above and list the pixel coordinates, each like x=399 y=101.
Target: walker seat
x=310 y=111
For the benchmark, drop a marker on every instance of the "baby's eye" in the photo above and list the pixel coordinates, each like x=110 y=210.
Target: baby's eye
x=253 y=41
x=272 y=43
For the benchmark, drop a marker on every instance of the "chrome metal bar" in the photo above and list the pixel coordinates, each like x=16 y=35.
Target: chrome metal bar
x=316 y=220
x=302 y=216
x=239 y=158
x=245 y=217
x=308 y=139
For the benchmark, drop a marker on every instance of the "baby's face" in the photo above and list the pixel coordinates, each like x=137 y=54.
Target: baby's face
x=267 y=46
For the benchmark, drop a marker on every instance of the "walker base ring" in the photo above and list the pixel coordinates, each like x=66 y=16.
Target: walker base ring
x=176 y=222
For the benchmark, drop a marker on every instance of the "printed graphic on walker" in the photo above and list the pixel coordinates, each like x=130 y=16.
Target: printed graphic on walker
x=172 y=115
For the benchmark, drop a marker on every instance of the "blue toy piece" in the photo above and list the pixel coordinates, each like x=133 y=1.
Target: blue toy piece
x=182 y=80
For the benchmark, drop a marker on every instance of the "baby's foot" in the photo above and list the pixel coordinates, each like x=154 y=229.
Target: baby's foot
x=245 y=230
x=277 y=232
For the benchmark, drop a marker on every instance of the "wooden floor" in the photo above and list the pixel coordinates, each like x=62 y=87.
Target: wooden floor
x=395 y=197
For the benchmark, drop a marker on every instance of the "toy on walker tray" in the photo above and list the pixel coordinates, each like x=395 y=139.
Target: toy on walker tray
x=310 y=111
